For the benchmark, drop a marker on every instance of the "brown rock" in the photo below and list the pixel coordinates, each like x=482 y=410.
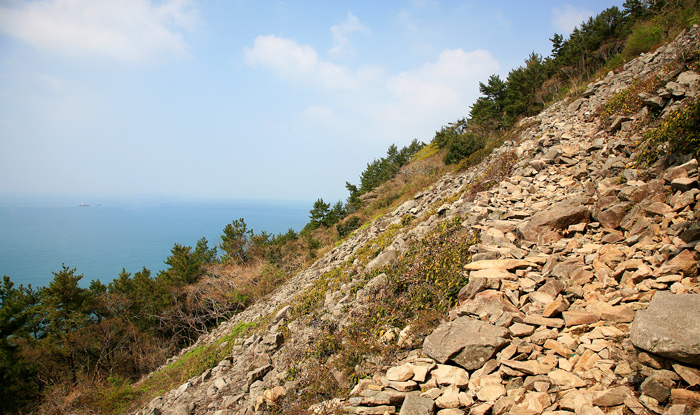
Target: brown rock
x=543 y=226
x=607 y=312
x=450 y=375
x=686 y=262
x=684 y=184
x=566 y=379
x=659 y=385
x=559 y=348
x=685 y=397
x=400 y=373
x=538 y=320
x=611 y=218
x=503 y=264
x=530 y=367
x=555 y=307
x=690 y=375
x=521 y=330
x=467 y=342
x=612 y=397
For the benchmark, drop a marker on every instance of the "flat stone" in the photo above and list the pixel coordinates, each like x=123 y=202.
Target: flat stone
x=579 y=317
x=370 y=410
x=538 y=320
x=415 y=405
x=559 y=348
x=685 y=397
x=449 y=398
x=690 y=375
x=406 y=386
x=503 y=264
x=565 y=379
x=450 y=375
x=400 y=373
x=686 y=262
x=530 y=367
x=555 y=307
x=612 y=397
x=670 y=327
x=465 y=341
x=521 y=330
x=658 y=385
x=684 y=184
x=607 y=312
x=491 y=392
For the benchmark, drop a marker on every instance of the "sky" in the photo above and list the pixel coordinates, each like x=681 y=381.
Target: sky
x=236 y=99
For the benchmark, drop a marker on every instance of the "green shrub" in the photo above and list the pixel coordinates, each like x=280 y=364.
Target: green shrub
x=679 y=134
x=348 y=226
x=644 y=37
x=463 y=146
x=627 y=101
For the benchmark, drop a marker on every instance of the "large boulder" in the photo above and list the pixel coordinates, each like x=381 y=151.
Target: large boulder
x=670 y=327
x=545 y=226
x=465 y=341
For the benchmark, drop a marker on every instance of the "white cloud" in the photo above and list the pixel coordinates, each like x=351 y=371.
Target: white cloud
x=450 y=84
x=566 y=19
x=410 y=103
x=125 y=30
x=342 y=47
x=297 y=63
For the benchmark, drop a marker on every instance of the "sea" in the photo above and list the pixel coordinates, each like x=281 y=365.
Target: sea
x=101 y=240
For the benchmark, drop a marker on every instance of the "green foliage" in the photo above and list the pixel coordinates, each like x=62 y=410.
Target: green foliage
x=644 y=37
x=236 y=242
x=679 y=134
x=186 y=265
x=16 y=376
x=627 y=101
x=348 y=226
x=382 y=170
x=458 y=142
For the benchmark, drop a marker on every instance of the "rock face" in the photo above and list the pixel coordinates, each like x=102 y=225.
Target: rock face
x=467 y=342
x=574 y=246
x=670 y=327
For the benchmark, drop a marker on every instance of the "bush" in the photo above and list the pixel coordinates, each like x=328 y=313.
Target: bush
x=350 y=225
x=644 y=37
x=679 y=134
x=463 y=146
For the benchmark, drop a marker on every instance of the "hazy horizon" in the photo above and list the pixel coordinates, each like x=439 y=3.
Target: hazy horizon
x=247 y=100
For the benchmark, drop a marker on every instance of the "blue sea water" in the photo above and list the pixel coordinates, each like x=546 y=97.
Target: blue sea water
x=101 y=240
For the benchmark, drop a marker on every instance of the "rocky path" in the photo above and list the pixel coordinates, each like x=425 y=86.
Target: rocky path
x=583 y=294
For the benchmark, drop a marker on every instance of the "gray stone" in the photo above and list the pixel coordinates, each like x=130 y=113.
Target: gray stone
x=670 y=327
x=415 y=405
x=381 y=260
x=467 y=342
x=652 y=100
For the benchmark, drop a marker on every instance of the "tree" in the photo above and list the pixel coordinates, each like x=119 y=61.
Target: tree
x=557 y=41
x=66 y=309
x=236 y=242
x=186 y=265
x=318 y=213
x=16 y=385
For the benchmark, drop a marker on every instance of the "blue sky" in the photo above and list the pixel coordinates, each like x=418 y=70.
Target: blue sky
x=264 y=100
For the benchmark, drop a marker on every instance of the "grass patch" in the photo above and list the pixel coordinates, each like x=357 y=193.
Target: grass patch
x=627 y=101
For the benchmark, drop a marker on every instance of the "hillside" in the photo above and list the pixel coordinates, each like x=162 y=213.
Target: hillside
x=559 y=275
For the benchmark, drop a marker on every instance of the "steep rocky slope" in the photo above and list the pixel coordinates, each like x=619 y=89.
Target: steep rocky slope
x=582 y=293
